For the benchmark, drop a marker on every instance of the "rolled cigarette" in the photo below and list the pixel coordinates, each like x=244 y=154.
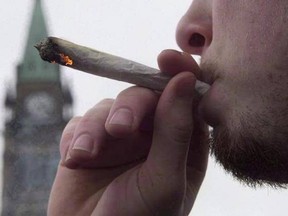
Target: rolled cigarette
x=56 y=50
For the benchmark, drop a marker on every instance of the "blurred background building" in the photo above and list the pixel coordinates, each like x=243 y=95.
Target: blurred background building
x=136 y=30
x=37 y=109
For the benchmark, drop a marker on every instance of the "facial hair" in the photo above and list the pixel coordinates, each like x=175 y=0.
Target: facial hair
x=248 y=146
x=252 y=158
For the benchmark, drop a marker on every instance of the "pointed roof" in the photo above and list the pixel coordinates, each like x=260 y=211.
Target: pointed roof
x=32 y=67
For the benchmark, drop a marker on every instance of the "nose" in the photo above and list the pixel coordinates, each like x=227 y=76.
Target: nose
x=194 y=30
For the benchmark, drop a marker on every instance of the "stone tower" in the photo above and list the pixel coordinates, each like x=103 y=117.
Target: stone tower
x=38 y=110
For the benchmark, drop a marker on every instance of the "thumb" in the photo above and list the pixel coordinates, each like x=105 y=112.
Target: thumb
x=162 y=179
x=173 y=127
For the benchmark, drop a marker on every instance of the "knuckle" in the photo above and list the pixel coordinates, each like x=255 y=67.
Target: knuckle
x=71 y=125
x=103 y=106
x=68 y=132
x=67 y=136
x=106 y=101
x=74 y=120
x=136 y=92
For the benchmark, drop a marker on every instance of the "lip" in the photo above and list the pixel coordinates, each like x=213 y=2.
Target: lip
x=213 y=104
x=210 y=107
x=209 y=72
x=208 y=77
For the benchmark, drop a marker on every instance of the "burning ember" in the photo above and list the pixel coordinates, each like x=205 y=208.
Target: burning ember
x=66 y=59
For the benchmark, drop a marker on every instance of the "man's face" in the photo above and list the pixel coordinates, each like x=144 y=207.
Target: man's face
x=244 y=56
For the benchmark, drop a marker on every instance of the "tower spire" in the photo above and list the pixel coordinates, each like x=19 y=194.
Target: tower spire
x=38 y=29
x=32 y=68
x=38 y=113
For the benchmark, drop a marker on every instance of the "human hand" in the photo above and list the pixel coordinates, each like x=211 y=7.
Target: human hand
x=149 y=161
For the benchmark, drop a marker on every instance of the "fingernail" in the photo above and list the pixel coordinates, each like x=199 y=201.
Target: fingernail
x=123 y=117
x=84 y=143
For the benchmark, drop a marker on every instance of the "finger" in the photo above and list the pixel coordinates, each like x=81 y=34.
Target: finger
x=130 y=109
x=165 y=167
x=197 y=161
x=197 y=158
x=173 y=62
x=67 y=136
x=198 y=150
x=173 y=125
x=89 y=135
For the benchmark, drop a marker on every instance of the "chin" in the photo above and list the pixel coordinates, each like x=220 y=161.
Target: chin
x=250 y=156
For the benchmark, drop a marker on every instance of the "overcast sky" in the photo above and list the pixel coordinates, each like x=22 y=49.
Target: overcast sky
x=137 y=30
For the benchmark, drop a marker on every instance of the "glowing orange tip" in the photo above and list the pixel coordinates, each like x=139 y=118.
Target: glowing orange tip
x=66 y=59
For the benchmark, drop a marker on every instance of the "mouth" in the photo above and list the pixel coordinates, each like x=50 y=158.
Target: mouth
x=209 y=70
x=209 y=106
x=204 y=84
x=201 y=88
x=208 y=77
x=213 y=104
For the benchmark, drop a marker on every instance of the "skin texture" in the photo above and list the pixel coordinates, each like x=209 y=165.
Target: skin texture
x=244 y=56
x=150 y=157
x=153 y=165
